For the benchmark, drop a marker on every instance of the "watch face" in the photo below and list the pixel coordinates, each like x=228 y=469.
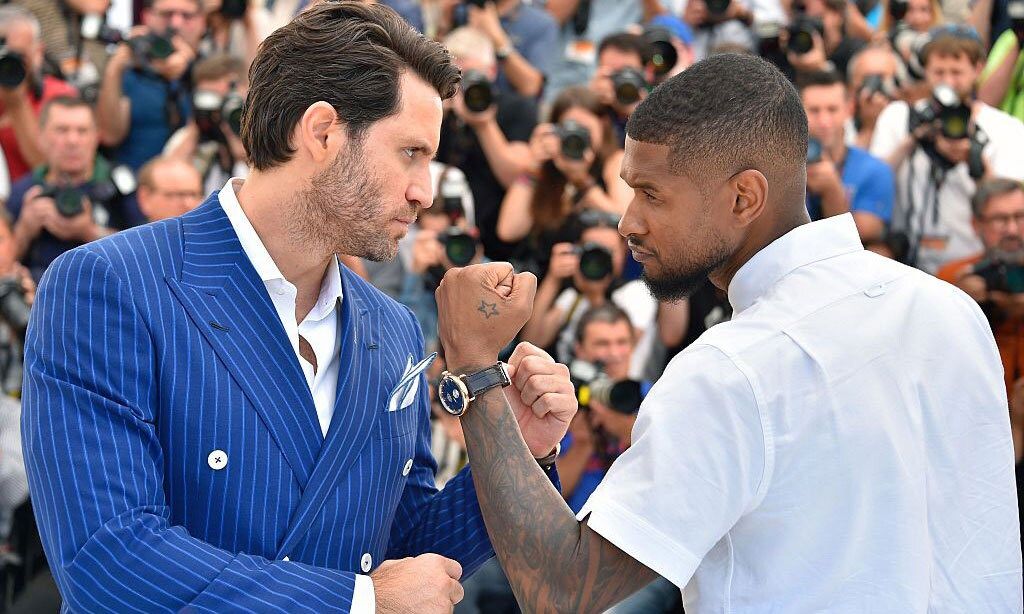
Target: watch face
x=452 y=394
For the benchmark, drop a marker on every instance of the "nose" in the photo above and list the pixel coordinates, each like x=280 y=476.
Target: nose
x=420 y=190
x=631 y=222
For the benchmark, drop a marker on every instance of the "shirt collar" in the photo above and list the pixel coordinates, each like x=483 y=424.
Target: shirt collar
x=799 y=247
x=266 y=268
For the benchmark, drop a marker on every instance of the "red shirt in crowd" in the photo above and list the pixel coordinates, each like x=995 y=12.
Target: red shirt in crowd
x=52 y=88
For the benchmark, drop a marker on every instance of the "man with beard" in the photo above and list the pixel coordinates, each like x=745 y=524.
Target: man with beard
x=995 y=276
x=217 y=415
x=825 y=450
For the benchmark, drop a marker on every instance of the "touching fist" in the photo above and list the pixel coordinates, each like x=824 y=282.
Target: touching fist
x=480 y=309
x=426 y=584
x=541 y=396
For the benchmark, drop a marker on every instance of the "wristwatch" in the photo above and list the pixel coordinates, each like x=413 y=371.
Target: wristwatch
x=502 y=53
x=456 y=392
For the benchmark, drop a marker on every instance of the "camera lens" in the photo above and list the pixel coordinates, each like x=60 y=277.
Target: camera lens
x=477 y=91
x=717 y=7
x=160 y=47
x=628 y=82
x=575 y=139
x=459 y=246
x=595 y=262
x=12 y=69
x=664 y=56
x=898 y=9
x=233 y=9
x=232 y=112
x=68 y=201
x=814 y=150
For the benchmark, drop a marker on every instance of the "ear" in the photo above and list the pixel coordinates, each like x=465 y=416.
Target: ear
x=320 y=133
x=751 y=189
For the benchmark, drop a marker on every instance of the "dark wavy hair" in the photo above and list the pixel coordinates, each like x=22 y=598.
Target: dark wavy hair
x=348 y=54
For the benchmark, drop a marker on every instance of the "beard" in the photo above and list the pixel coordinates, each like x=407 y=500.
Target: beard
x=342 y=210
x=680 y=280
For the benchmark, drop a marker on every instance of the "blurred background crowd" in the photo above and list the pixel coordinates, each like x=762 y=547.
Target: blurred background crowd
x=118 y=112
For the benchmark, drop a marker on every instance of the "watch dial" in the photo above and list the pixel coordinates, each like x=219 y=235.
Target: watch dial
x=450 y=395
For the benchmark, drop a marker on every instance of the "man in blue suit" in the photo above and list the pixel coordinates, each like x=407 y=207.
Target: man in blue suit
x=217 y=415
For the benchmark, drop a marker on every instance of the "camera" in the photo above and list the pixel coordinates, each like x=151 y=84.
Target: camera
x=152 y=46
x=628 y=83
x=234 y=9
x=12 y=67
x=459 y=246
x=452 y=187
x=68 y=199
x=575 y=139
x=946 y=108
x=104 y=190
x=898 y=9
x=878 y=84
x=663 y=53
x=717 y=8
x=1001 y=276
x=592 y=384
x=477 y=91
x=801 y=33
x=595 y=261
x=210 y=109
x=814 y=150
x=14 y=309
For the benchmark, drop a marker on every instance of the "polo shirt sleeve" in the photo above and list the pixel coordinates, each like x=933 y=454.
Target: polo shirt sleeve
x=700 y=460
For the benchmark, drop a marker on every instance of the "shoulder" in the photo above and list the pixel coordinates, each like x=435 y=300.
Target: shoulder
x=18 y=189
x=152 y=251
x=999 y=124
x=867 y=165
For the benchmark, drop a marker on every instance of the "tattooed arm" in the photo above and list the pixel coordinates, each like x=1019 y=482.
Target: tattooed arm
x=553 y=562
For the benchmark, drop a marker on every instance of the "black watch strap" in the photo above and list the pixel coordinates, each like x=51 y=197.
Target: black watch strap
x=485 y=379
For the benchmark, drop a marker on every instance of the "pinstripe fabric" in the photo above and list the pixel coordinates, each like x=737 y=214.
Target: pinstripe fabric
x=152 y=348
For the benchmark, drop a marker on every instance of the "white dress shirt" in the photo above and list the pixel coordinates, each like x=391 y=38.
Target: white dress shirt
x=319 y=328
x=842 y=445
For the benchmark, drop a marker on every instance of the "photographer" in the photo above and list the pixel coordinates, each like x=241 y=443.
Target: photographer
x=941 y=147
x=575 y=166
x=232 y=27
x=821 y=36
x=168 y=187
x=872 y=80
x=24 y=89
x=995 y=276
x=484 y=134
x=210 y=139
x=1001 y=84
x=71 y=199
x=145 y=92
x=841 y=178
x=589 y=274
x=719 y=22
x=621 y=80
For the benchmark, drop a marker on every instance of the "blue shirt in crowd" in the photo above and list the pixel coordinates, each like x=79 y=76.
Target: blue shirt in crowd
x=151 y=98
x=534 y=34
x=869 y=183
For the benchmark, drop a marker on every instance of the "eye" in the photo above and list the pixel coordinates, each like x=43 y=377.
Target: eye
x=410 y=152
x=649 y=195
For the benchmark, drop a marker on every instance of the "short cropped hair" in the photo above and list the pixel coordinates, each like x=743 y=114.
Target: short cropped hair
x=609 y=313
x=218 y=67
x=953 y=45
x=348 y=54
x=726 y=113
x=13 y=13
x=64 y=102
x=819 y=78
x=989 y=189
x=627 y=43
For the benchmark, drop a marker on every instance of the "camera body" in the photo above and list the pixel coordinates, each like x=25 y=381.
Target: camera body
x=13 y=70
x=575 y=139
x=595 y=261
x=102 y=191
x=477 y=91
x=717 y=8
x=592 y=384
x=946 y=108
x=234 y=9
x=211 y=109
x=898 y=9
x=14 y=308
x=1001 y=276
x=151 y=46
x=628 y=82
x=801 y=33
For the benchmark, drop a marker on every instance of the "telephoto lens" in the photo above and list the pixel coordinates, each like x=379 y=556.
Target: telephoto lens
x=595 y=261
x=898 y=9
x=459 y=246
x=151 y=46
x=67 y=199
x=206 y=113
x=233 y=9
x=231 y=111
x=954 y=116
x=575 y=139
x=477 y=91
x=12 y=68
x=628 y=83
x=717 y=8
x=801 y=33
x=663 y=53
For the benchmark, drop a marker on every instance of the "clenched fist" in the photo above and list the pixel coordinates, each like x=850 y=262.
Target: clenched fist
x=480 y=309
x=426 y=584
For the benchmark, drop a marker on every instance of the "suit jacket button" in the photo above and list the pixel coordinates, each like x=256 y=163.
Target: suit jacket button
x=366 y=563
x=407 y=468
x=218 y=459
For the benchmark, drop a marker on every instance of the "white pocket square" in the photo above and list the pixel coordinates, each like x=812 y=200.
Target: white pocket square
x=409 y=384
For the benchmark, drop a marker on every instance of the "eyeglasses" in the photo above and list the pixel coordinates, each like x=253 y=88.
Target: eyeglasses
x=181 y=195
x=1002 y=220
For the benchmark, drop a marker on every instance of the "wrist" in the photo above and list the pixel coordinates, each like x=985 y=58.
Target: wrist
x=468 y=363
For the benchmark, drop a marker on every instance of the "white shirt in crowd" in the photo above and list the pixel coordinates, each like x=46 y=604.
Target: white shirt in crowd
x=947 y=231
x=635 y=299
x=841 y=445
x=319 y=328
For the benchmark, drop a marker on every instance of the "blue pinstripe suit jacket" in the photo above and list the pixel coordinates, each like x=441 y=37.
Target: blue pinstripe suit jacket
x=150 y=349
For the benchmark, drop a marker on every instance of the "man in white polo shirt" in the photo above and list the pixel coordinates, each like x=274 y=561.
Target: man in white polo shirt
x=841 y=445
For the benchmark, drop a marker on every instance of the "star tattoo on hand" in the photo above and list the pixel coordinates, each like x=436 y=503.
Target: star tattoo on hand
x=488 y=309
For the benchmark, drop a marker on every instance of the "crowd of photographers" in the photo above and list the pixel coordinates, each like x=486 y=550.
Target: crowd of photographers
x=118 y=112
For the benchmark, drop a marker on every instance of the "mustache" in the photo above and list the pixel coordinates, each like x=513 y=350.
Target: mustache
x=636 y=245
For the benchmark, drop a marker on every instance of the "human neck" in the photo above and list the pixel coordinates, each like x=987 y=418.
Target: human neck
x=838 y=152
x=268 y=200
x=758 y=240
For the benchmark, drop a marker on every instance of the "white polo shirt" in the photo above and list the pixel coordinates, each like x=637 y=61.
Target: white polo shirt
x=842 y=445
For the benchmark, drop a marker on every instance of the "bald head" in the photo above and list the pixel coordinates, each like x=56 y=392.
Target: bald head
x=168 y=187
x=725 y=114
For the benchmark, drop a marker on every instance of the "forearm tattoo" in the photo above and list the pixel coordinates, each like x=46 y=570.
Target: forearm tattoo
x=553 y=562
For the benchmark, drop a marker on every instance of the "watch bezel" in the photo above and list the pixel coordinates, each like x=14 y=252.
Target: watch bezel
x=460 y=384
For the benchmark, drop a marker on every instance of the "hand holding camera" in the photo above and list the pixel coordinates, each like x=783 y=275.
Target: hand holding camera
x=474 y=102
x=822 y=175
